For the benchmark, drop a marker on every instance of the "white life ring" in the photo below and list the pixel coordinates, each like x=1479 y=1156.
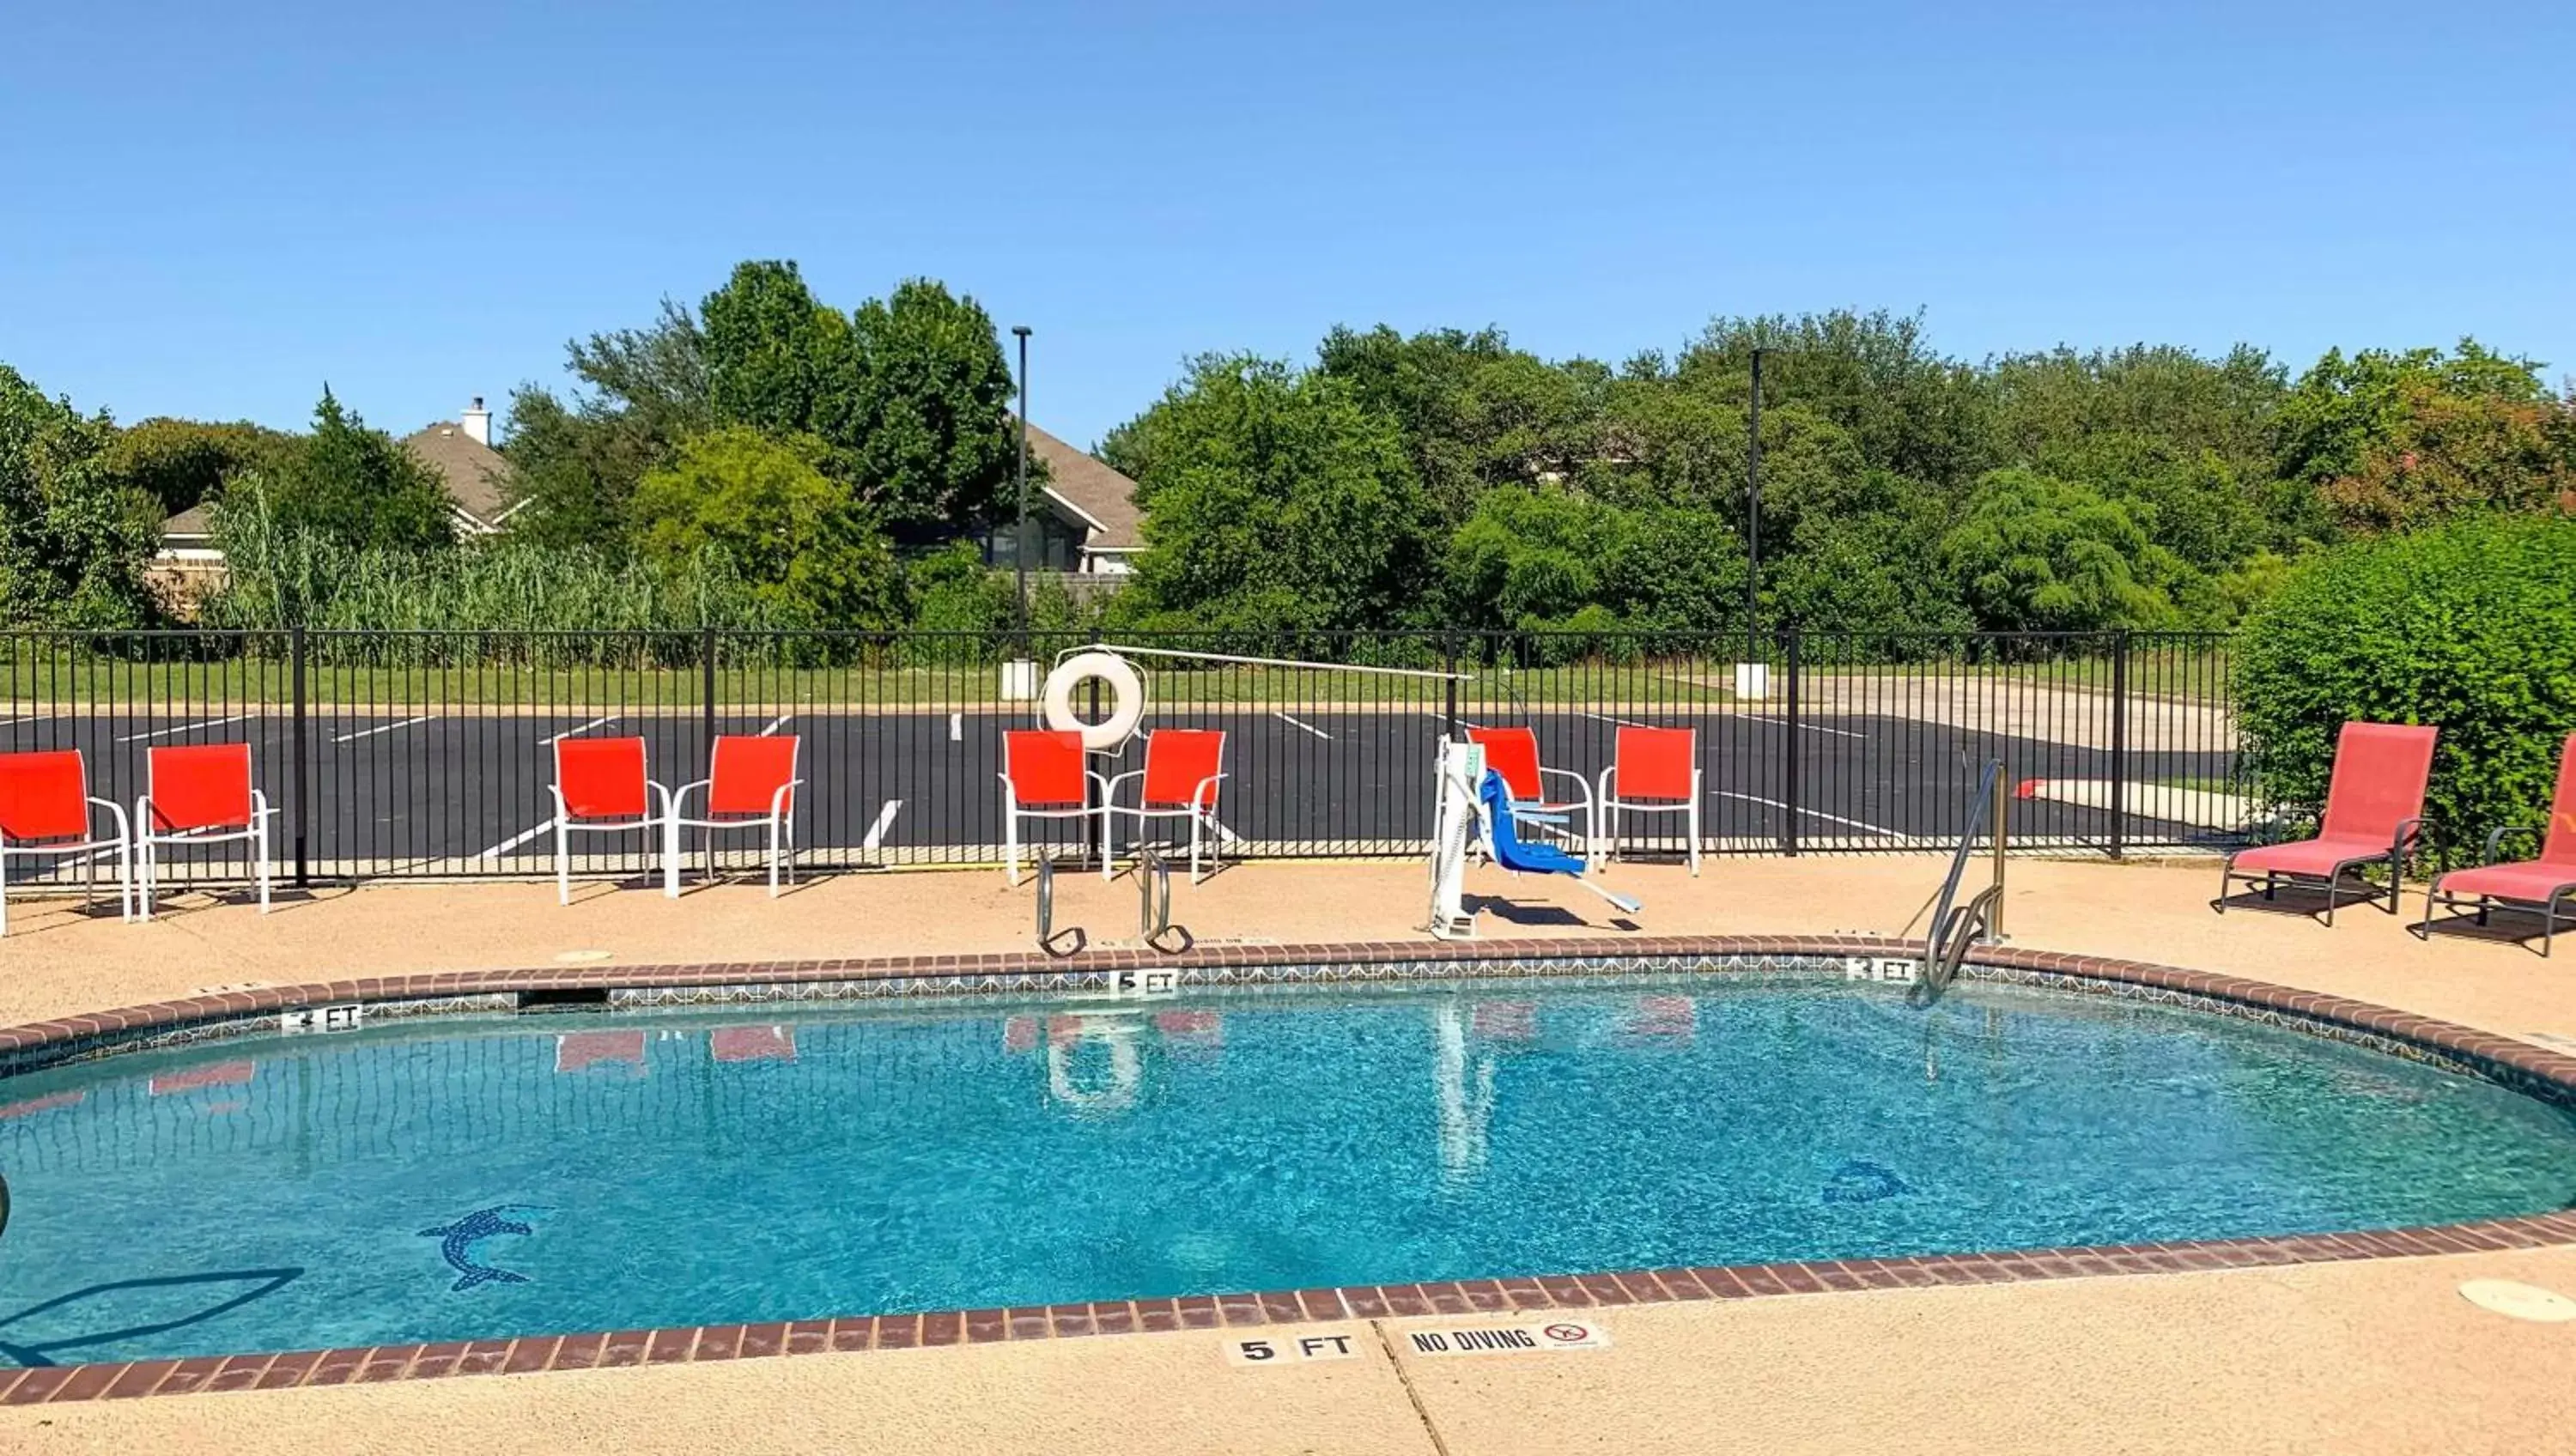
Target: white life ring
x=1126 y=692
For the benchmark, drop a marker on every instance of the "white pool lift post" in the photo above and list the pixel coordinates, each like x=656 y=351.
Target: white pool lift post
x=1460 y=822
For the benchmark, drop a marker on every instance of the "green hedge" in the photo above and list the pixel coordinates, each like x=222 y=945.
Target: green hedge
x=2471 y=626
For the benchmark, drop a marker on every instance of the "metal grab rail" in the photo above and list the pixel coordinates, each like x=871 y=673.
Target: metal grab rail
x=1955 y=927
x=1154 y=901
x=1046 y=912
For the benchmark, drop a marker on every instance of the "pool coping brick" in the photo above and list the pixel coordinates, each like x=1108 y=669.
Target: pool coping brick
x=2527 y=1067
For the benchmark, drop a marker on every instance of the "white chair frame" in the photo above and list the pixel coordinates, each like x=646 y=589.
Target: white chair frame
x=780 y=821
x=122 y=841
x=1606 y=848
x=1012 y=814
x=651 y=824
x=1200 y=811
x=147 y=861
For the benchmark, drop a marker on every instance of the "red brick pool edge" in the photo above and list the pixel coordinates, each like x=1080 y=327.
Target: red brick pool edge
x=112 y=1381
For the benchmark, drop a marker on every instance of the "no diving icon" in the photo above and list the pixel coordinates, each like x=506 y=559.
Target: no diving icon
x=1527 y=1339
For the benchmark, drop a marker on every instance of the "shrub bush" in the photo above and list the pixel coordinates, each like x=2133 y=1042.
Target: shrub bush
x=2471 y=626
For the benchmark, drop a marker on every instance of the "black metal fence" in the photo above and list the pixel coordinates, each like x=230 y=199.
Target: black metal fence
x=429 y=753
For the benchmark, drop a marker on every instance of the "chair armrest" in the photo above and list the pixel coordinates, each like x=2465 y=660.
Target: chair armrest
x=778 y=799
x=259 y=809
x=1537 y=816
x=142 y=811
x=680 y=796
x=1582 y=786
x=1109 y=786
x=1203 y=797
x=116 y=811
x=2496 y=838
x=2410 y=832
x=668 y=812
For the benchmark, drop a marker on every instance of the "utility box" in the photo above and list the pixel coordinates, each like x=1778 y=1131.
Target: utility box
x=1752 y=680
x=1019 y=681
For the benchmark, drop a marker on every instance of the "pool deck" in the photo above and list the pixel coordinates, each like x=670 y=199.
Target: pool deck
x=2363 y=1356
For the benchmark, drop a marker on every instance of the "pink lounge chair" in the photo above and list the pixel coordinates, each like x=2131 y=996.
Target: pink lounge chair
x=2374 y=814
x=1513 y=753
x=2546 y=885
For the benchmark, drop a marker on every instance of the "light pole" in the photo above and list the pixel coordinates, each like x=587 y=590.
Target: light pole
x=1020 y=553
x=1753 y=518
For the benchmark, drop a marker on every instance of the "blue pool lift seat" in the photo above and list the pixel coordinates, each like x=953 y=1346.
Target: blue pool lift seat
x=1503 y=841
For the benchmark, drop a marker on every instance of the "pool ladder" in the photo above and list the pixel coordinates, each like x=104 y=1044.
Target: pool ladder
x=1956 y=927
x=1154 y=927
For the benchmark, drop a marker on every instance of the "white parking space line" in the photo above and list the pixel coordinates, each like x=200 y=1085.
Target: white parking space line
x=515 y=840
x=1768 y=720
x=781 y=721
x=14 y=722
x=187 y=727
x=885 y=820
x=601 y=722
x=1308 y=727
x=1879 y=829
x=383 y=728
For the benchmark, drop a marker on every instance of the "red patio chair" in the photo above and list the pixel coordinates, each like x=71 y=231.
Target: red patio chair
x=198 y=793
x=600 y=787
x=2374 y=814
x=1513 y=753
x=1654 y=771
x=751 y=784
x=1184 y=768
x=1043 y=777
x=45 y=809
x=2541 y=884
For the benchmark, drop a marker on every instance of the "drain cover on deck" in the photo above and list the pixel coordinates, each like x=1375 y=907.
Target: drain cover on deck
x=2519 y=1301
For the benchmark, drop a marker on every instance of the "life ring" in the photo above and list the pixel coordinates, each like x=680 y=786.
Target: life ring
x=1126 y=692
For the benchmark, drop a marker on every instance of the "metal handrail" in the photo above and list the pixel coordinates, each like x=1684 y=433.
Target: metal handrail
x=1154 y=899
x=1955 y=927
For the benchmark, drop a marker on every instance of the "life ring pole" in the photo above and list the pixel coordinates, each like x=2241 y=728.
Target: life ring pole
x=1127 y=651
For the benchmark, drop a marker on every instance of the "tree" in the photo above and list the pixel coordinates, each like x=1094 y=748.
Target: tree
x=2344 y=407
x=805 y=545
x=1276 y=501
x=182 y=463
x=2443 y=454
x=574 y=467
x=73 y=541
x=777 y=360
x=2035 y=553
x=929 y=436
x=350 y=485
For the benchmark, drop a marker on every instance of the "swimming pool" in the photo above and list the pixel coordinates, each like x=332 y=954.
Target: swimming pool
x=460 y=1177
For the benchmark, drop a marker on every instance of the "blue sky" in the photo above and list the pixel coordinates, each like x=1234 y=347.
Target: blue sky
x=210 y=210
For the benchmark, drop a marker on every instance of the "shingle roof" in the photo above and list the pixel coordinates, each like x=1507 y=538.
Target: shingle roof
x=475 y=472
x=196 y=520
x=1092 y=489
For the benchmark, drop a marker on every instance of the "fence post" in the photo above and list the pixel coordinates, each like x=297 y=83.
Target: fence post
x=303 y=822
x=1789 y=770
x=2119 y=742
x=707 y=689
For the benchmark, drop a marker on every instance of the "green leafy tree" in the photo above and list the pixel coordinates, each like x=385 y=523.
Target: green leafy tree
x=2465 y=625
x=2344 y=407
x=2034 y=553
x=777 y=360
x=574 y=465
x=929 y=432
x=1529 y=558
x=2444 y=454
x=73 y=540
x=796 y=535
x=182 y=463
x=1276 y=502
x=350 y=485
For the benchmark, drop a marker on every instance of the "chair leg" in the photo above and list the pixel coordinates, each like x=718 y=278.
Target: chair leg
x=1109 y=838
x=262 y=845
x=563 y=864
x=143 y=881
x=1694 y=836
x=1011 y=844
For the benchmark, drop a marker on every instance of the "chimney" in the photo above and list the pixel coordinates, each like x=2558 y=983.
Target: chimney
x=478 y=422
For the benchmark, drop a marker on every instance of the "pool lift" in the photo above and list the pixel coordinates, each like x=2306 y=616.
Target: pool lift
x=1956 y=928
x=1475 y=808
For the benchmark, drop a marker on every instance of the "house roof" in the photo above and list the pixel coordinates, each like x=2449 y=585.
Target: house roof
x=1085 y=485
x=475 y=472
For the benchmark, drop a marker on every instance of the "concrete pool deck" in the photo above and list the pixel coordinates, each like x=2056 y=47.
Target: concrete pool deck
x=2377 y=1355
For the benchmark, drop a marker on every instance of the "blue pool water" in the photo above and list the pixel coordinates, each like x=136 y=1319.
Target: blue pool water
x=456 y=1178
